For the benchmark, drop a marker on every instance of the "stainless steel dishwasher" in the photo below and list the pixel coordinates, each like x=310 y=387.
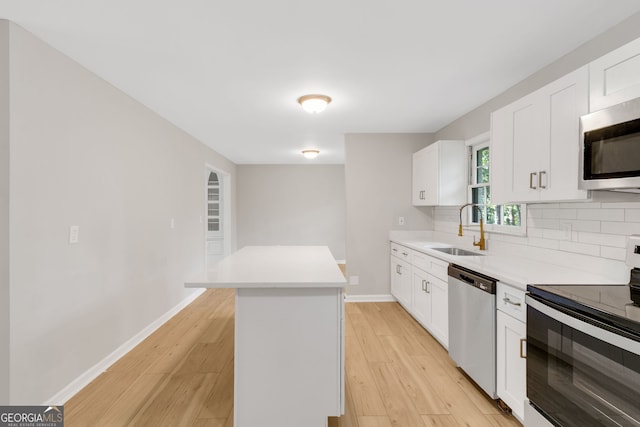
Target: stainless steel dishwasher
x=472 y=325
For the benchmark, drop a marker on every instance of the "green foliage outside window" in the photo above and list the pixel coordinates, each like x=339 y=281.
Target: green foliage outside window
x=481 y=195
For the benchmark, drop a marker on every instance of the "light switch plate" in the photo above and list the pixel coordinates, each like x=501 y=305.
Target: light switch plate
x=74 y=234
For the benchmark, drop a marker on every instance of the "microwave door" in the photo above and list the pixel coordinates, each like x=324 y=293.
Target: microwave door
x=610 y=152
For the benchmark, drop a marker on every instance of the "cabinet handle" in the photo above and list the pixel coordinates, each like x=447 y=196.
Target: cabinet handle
x=522 y=354
x=426 y=287
x=399 y=269
x=404 y=254
x=508 y=301
x=531 y=175
x=540 y=174
x=394 y=250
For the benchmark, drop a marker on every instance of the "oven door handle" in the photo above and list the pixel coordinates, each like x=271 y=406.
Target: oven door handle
x=587 y=328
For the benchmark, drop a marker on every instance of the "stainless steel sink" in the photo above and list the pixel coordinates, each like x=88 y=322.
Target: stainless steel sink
x=457 y=251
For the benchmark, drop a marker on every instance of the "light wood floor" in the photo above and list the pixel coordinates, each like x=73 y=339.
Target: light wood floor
x=182 y=375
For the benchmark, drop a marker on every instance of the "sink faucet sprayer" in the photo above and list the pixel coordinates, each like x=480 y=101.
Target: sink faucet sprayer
x=481 y=243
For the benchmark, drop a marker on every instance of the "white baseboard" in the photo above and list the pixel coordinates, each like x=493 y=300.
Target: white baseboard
x=370 y=298
x=83 y=380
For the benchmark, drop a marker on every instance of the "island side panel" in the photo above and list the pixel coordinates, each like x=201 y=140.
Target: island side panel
x=289 y=356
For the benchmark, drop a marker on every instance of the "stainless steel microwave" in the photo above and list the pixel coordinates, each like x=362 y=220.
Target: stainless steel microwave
x=610 y=151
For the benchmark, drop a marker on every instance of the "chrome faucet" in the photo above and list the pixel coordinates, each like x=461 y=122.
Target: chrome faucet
x=481 y=244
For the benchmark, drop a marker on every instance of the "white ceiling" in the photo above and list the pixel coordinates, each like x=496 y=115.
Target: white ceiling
x=230 y=72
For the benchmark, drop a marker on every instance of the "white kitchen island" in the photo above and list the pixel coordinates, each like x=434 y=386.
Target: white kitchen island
x=289 y=341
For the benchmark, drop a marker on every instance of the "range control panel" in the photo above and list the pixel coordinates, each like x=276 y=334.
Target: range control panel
x=633 y=251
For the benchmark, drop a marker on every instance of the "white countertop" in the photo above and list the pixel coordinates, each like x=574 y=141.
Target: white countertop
x=273 y=267
x=515 y=271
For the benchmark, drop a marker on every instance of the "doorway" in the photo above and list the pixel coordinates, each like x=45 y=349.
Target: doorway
x=217 y=229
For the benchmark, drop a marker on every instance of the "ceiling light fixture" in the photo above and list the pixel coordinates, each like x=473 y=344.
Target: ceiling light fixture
x=310 y=154
x=314 y=103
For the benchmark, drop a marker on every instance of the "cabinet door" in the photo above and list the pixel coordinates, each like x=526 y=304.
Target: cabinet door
x=535 y=143
x=401 y=281
x=418 y=187
x=565 y=101
x=421 y=297
x=511 y=367
x=515 y=150
x=615 y=77
x=425 y=177
x=439 y=291
x=432 y=175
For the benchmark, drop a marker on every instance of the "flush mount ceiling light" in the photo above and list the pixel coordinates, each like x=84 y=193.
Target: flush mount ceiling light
x=310 y=154
x=314 y=103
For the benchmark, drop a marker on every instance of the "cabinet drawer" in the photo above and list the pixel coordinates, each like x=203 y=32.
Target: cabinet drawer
x=510 y=301
x=400 y=251
x=430 y=264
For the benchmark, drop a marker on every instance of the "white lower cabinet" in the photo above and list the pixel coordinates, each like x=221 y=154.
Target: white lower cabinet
x=420 y=285
x=430 y=304
x=511 y=337
x=401 y=281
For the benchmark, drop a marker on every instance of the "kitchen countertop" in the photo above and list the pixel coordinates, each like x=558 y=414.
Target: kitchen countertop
x=273 y=267
x=515 y=271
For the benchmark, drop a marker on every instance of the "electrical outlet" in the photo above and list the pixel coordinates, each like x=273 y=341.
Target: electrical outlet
x=74 y=234
x=354 y=280
x=400 y=220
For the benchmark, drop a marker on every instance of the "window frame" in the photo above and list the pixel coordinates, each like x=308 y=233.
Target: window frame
x=474 y=145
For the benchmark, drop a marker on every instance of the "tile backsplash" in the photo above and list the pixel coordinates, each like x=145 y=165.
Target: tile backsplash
x=590 y=235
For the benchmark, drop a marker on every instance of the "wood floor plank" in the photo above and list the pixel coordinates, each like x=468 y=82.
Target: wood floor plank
x=415 y=384
x=178 y=403
x=366 y=395
x=371 y=346
x=219 y=402
x=131 y=402
x=210 y=422
x=374 y=422
x=94 y=400
x=503 y=420
x=400 y=408
x=440 y=421
x=375 y=317
x=459 y=404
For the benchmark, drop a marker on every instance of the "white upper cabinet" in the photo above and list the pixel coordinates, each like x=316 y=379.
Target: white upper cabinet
x=535 y=143
x=440 y=174
x=615 y=77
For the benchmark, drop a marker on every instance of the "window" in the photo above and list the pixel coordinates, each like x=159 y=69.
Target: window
x=213 y=203
x=502 y=218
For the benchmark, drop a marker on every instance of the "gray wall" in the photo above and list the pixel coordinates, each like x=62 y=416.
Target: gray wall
x=478 y=120
x=378 y=185
x=4 y=213
x=83 y=153
x=292 y=205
